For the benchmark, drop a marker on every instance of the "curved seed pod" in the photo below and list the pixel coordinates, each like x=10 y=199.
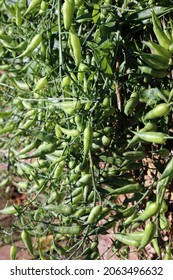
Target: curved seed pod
x=168 y=170
x=126 y=239
x=131 y=188
x=149 y=233
x=136 y=235
x=26 y=238
x=157 y=112
x=151 y=210
x=70 y=132
x=32 y=6
x=126 y=213
x=156 y=246
x=153 y=137
x=7 y=129
x=40 y=84
x=58 y=170
x=18 y=17
x=42 y=150
x=148 y=127
x=32 y=46
x=29 y=147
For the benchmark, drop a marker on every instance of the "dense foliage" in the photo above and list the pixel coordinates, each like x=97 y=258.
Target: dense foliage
x=86 y=125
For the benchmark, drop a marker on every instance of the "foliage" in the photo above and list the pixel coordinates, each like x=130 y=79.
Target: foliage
x=75 y=90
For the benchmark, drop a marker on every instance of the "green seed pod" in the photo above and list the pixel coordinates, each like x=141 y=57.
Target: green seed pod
x=87 y=139
x=131 y=188
x=26 y=238
x=151 y=210
x=106 y=140
x=125 y=213
x=164 y=222
x=164 y=207
x=69 y=107
x=80 y=212
x=58 y=170
x=148 y=127
x=168 y=170
x=136 y=235
x=70 y=132
x=43 y=7
x=134 y=155
x=9 y=210
x=131 y=103
x=18 y=17
x=71 y=230
x=126 y=239
x=32 y=46
x=76 y=47
x=77 y=191
x=32 y=6
x=84 y=180
x=168 y=255
x=59 y=209
x=77 y=199
x=78 y=3
x=29 y=147
x=129 y=220
x=93 y=215
x=7 y=129
x=40 y=84
x=66 y=81
x=159 y=111
x=13 y=252
x=42 y=150
x=67 y=11
x=149 y=233
x=156 y=246
x=53 y=197
x=153 y=137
